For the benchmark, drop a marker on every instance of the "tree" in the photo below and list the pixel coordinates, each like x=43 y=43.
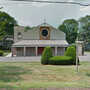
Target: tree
x=85 y=34
x=85 y=31
x=83 y=22
x=70 y=28
x=7 y=24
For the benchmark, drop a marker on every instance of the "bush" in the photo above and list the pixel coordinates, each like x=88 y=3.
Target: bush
x=73 y=45
x=60 y=60
x=1 y=53
x=71 y=51
x=47 y=53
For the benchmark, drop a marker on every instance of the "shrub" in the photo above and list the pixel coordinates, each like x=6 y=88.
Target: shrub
x=1 y=53
x=71 y=51
x=47 y=53
x=73 y=45
x=60 y=60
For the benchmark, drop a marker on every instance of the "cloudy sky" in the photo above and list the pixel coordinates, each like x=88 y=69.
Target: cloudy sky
x=32 y=14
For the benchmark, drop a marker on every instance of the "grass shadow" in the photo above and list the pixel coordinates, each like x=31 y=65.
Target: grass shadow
x=88 y=74
x=12 y=73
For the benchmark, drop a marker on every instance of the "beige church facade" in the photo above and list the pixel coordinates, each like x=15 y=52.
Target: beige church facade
x=31 y=42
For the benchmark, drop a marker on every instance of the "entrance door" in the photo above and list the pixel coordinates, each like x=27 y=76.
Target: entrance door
x=40 y=50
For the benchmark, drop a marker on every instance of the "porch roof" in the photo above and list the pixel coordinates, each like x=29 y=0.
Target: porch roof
x=41 y=43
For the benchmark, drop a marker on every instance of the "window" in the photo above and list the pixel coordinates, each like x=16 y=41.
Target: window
x=45 y=32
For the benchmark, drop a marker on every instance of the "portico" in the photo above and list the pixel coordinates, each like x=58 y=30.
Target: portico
x=36 y=47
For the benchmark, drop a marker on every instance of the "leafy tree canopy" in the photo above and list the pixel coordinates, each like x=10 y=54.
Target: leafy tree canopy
x=85 y=35
x=70 y=28
x=6 y=24
x=83 y=21
x=85 y=29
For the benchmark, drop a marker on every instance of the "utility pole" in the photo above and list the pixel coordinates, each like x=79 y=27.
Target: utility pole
x=77 y=69
x=77 y=55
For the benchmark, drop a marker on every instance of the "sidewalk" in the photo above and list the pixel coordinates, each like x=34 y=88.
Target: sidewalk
x=9 y=55
x=86 y=57
x=20 y=59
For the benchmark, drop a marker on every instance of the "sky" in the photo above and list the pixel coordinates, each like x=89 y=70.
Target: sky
x=32 y=14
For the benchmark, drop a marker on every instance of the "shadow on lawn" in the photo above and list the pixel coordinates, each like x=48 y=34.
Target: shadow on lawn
x=12 y=73
x=88 y=74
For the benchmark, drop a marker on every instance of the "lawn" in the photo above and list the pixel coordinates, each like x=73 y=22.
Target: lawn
x=34 y=75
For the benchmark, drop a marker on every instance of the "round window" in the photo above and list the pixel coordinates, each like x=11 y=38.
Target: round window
x=44 y=32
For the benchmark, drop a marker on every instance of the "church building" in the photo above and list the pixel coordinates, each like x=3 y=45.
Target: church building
x=31 y=42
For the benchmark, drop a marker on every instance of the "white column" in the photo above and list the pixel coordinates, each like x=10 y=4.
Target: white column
x=56 y=51
x=24 y=51
x=36 y=51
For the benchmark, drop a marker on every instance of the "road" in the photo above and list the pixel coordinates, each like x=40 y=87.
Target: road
x=86 y=57
x=20 y=59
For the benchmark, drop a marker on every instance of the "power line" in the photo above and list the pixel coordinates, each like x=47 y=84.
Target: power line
x=58 y=2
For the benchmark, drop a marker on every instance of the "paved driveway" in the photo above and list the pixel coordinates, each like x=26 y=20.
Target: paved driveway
x=86 y=57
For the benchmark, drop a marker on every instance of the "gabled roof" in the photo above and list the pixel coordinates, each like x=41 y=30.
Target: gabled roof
x=38 y=26
x=46 y=25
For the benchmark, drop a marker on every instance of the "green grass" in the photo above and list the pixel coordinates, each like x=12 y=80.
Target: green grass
x=34 y=75
x=87 y=51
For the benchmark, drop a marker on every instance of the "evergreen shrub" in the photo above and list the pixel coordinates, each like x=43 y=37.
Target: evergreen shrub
x=60 y=60
x=1 y=53
x=47 y=54
x=71 y=51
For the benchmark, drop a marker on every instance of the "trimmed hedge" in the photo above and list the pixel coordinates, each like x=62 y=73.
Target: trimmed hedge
x=1 y=53
x=71 y=51
x=47 y=53
x=61 y=60
x=69 y=57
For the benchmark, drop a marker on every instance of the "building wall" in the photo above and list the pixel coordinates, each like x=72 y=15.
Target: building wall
x=31 y=51
x=80 y=49
x=57 y=35
x=20 y=33
x=14 y=50
x=60 y=51
x=20 y=51
x=26 y=35
x=53 y=51
x=34 y=34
